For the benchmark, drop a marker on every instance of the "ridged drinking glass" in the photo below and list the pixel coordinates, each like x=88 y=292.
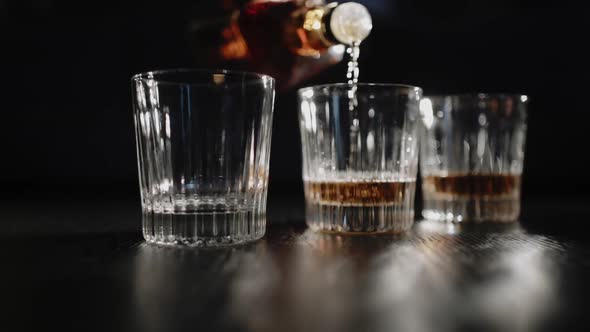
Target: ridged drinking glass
x=472 y=155
x=360 y=156
x=203 y=144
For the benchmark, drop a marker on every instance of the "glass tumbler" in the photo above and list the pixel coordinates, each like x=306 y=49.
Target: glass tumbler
x=360 y=156
x=472 y=154
x=203 y=143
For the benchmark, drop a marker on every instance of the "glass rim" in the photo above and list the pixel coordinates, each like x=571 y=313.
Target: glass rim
x=151 y=74
x=379 y=85
x=479 y=95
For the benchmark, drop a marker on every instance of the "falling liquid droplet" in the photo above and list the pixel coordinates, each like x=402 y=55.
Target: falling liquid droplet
x=353 y=65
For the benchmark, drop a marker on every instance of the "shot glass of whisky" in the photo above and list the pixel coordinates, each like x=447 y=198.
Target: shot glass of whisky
x=360 y=156
x=471 y=156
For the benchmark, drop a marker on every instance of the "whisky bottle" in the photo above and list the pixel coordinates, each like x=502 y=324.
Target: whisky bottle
x=289 y=40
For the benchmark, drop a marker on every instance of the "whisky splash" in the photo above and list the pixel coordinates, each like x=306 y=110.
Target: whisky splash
x=352 y=75
x=353 y=72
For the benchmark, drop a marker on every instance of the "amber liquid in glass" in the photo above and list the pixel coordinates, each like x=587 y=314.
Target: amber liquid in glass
x=471 y=197
x=359 y=206
x=357 y=193
x=475 y=185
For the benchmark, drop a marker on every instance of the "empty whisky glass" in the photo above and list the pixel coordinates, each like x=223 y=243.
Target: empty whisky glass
x=360 y=156
x=203 y=144
x=471 y=156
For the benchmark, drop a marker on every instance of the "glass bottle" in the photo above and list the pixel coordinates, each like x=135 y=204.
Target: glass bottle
x=289 y=40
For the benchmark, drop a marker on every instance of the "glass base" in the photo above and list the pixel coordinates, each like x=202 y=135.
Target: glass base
x=203 y=229
x=358 y=219
x=472 y=209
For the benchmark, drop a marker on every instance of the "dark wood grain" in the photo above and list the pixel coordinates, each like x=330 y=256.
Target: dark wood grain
x=438 y=277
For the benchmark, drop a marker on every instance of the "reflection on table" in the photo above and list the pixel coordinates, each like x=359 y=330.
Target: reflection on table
x=437 y=277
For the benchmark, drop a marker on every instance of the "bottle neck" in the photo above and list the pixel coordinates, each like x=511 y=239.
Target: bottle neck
x=317 y=22
x=327 y=34
x=348 y=23
x=311 y=31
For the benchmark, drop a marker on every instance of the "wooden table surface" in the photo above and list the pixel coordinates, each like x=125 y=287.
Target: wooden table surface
x=527 y=276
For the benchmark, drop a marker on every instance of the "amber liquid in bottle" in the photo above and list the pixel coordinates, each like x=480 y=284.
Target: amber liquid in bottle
x=278 y=42
x=283 y=39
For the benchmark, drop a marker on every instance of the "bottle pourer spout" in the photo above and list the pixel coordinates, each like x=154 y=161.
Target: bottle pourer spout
x=351 y=23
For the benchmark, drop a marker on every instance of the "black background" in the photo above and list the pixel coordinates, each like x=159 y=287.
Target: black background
x=66 y=123
x=79 y=264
